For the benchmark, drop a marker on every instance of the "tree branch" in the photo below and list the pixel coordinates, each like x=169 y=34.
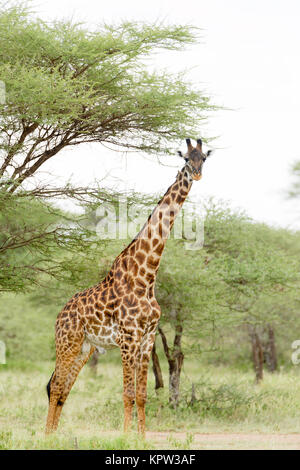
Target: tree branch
x=165 y=344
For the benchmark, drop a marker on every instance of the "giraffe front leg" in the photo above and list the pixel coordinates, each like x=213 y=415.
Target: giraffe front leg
x=141 y=378
x=128 y=362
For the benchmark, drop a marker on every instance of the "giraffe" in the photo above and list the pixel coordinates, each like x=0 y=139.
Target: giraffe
x=121 y=311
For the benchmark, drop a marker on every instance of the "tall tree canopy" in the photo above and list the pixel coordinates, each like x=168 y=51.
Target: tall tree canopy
x=67 y=85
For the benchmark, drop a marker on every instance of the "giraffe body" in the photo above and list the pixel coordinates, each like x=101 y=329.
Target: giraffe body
x=121 y=311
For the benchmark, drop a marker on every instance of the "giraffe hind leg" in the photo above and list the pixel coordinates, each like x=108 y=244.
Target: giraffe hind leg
x=66 y=371
x=77 y=365
x=54 y=389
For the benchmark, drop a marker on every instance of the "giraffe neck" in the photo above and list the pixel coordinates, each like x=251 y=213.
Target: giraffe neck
x=161 y=221
x=147 y=247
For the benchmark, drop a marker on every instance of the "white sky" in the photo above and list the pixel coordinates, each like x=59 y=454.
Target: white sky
x=248 y=61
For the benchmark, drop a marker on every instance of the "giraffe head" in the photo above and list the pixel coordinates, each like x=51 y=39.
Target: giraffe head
x=195 y=158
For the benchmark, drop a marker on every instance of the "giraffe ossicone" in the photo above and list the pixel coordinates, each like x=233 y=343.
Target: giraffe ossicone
x=121 y=311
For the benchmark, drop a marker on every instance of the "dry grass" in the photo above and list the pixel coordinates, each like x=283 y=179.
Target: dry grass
x=229 y=403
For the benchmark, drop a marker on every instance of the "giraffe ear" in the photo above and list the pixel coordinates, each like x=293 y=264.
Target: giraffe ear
x=182 y=156
x=209 y=152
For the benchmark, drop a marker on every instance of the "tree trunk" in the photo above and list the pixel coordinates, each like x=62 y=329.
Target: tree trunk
x=159 y=383
x=175 y=359
x=270 y=350
x=257 y=354
x=175 y=366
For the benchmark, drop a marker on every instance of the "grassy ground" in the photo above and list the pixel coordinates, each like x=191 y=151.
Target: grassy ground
x=228 y=402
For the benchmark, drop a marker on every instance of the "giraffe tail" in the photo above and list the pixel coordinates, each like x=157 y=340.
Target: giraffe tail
x=48 y=386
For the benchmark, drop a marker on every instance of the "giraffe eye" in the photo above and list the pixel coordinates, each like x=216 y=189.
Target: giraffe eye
x=204 y=158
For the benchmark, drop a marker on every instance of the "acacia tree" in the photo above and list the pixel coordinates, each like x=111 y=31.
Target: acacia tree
x=259 y=265
x=188 y=290
x=38 y=240
x=67 y=85
x=243 y=269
